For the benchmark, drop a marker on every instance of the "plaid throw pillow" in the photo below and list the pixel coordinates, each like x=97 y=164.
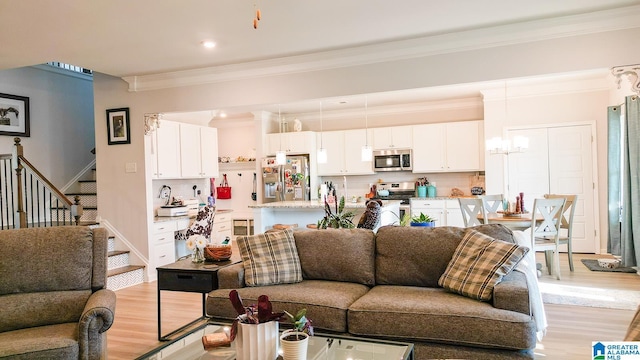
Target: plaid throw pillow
x=270 y=258
x=478 y=264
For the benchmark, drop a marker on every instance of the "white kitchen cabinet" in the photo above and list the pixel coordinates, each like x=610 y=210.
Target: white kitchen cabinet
x=162 y=243
x=301 y=142
x=166 y=151
x=447 y=147
x=434 y=208
x=453 y=213
x=396 y=137
x=198 y=151
x=446 y=212
x=344 y=153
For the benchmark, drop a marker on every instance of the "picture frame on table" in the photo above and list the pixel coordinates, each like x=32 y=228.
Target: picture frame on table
x=118 y=126
x=14 y=115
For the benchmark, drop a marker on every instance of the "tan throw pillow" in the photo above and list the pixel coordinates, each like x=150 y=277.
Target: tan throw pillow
x=478 y=264
x=270 y=258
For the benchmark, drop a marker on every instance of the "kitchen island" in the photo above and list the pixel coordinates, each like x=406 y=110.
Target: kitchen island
x=309 y=212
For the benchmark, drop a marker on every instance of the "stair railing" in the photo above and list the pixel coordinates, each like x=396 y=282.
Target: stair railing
x=31 y=200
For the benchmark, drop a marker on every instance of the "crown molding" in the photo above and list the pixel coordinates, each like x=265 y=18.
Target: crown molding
x=502 y=35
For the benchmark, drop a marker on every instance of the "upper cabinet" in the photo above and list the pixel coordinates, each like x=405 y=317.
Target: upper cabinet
x=166 y=151
x=184 y=151
x=198 y=151
x=447 y=147
x=344 y=152
x=396 y=137
x=301 y=142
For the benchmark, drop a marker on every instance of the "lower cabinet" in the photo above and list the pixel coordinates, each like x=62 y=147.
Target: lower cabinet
x=446 y=212
x=163 y=244
x=222 y=226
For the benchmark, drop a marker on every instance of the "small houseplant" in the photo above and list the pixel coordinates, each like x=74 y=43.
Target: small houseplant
x=255 y=330
x=423 y=220
x=339 y=219
x=296 y=341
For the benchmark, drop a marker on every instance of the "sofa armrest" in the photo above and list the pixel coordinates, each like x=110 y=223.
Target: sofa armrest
x=231 y=277
x=512 y=293
x=97 y=317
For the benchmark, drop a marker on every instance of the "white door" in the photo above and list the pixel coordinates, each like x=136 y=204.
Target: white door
x=571 y=165
x=558 y=161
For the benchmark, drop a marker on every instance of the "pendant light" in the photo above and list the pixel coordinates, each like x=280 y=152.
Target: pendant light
x=281 y=156
x=322 y=152
x=367 y=153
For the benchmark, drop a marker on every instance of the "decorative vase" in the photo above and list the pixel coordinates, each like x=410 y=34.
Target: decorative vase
x=198 y=256
x=294 y=345
x=257 y=341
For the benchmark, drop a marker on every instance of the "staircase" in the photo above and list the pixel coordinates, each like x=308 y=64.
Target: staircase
x=120 y=274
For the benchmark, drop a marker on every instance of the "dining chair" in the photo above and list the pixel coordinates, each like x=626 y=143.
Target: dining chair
x=546 y=218
x=472 y=209
x=566 y=226
x=492 y=203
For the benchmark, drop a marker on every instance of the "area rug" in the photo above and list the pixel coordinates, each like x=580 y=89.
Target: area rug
x=592 y=264
x=589 y=296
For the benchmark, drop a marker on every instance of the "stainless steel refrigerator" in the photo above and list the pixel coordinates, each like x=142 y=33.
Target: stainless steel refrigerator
x=289 y=182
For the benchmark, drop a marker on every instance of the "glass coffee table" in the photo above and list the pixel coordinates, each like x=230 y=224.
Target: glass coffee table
x=321 y=347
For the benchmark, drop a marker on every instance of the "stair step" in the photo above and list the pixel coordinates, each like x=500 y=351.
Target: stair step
x=88 y=186
x=117 y=252
x=125 y=276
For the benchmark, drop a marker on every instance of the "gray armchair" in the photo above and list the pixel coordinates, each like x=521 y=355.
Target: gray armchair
x=53 y=301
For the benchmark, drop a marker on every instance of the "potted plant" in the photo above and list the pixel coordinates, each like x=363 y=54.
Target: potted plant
x=255 y=330
x=295 y=341
x=341 y=218
x=423 y=220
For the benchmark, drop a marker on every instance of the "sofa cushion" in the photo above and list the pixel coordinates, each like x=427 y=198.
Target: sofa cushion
x=415 y=256
x=434 y=314
x=270 y=258
x=337 y=254
x=42 y=308
x=478 y=264
x=326 y=301
x=45 y=342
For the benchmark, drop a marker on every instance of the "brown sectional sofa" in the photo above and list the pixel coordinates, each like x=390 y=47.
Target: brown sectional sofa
x=385 y=285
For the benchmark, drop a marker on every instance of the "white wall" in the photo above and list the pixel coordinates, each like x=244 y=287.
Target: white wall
x=61 y=121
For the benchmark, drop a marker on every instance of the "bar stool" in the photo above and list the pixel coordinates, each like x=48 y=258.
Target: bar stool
x=279 y=227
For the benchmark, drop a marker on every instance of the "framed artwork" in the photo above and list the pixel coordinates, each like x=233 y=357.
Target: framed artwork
x=14 y=115
x=118 y=127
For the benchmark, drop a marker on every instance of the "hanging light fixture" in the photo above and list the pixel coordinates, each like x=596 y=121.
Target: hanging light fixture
x=367 y=153
x=322 y=152
x=281 y=156
x=498 y=145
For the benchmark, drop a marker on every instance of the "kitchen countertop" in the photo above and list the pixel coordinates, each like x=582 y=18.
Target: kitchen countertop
x=186 y=217
x=315 y=204
x=445 y=197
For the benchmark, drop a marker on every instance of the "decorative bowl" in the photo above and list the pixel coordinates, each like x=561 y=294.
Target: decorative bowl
x=217 y=252
x=609 y=263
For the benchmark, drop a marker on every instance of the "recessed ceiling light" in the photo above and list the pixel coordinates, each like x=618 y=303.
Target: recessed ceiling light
x=223 y=115
x=208 y=44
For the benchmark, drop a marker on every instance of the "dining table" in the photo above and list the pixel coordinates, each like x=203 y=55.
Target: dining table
x=514 y=222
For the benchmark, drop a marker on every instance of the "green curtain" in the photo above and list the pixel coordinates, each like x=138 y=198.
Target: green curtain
x=614 y=140
x=630 y=233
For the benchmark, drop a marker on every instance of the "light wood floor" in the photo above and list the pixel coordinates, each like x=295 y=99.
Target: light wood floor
x=570 y=333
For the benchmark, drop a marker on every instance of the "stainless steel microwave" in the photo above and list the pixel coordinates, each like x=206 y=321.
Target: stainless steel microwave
x=392 y=160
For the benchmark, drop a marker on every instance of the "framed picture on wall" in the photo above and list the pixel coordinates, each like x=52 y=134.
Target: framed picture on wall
x=14 y=115
x=118 y=127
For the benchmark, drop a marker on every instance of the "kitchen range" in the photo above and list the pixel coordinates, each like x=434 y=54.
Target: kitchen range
x=402 y=191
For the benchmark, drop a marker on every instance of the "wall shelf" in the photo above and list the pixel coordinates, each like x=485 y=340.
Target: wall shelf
x=244 y=165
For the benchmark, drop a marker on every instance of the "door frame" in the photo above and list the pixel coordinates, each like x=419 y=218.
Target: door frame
x=594 y=168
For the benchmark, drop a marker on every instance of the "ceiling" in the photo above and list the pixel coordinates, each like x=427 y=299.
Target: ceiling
x=142 y=37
